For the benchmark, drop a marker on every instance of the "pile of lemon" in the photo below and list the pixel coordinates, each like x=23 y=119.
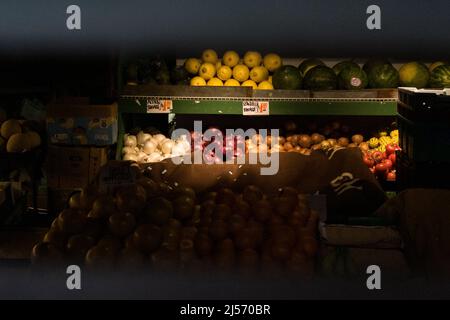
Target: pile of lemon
x=253 y=70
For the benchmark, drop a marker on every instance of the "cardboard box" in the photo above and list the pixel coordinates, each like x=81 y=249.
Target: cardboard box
x=78 y=123
x=74 y=167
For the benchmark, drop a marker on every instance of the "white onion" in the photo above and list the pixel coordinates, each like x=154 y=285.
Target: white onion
x=128 y=150
x=167 y=146
x=154 y=157
x=130 y=157
x=149 y=146
x=142 y=157
x=130 y=141
x=178 y=149
x=142 y=137
x=159 y=137
x=185 y=143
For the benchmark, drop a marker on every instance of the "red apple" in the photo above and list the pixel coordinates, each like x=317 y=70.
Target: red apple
x=391 y=176
x=390 y=149
x=377 y=156
x=388 y=163
x=368 y=161
x=393 y=158
x=381 y=168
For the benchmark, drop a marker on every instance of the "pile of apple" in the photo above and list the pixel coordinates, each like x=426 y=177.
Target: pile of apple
x=151 y=225
x=379 y=154
x=382 y=164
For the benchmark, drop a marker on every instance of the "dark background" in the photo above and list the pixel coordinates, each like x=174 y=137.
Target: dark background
x=410 y=29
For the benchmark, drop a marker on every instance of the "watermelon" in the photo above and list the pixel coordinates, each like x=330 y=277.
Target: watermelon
x=373 y=63
x=414 y=74
x=440 y=77
x=352 y=78
x=179 y=75
x=436 y=64
x=338 y=67
x=320 y=78
x=383 y=76
x=308 y=64
x=287 y=77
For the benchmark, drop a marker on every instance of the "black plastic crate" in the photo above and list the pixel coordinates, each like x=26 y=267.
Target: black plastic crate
x=413 y=174
x=424 y=105
x=423 y=121
x=424 y=141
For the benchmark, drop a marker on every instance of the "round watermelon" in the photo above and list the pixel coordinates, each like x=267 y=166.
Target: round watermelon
x=287 y=78
x=308 y=64
x=338 y=67
x=436 y=64
x=440 y=77
x=414 y=74
x=320 y=78
x=352 y=78
x=371 y=63
x=383 y=76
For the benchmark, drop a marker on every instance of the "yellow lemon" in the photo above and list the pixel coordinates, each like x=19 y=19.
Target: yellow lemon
x=265 y=85
x=214 y=82
x=252 y=59
x=259 y=74
x=198 y=81
x=232 y=83
x=270 y=79
x=250 y=83
x=192 y=65
x=218 y=65
x=241 y=72
x=272 y=61
x=230 y=58
x=207 y=71
x=210 y=56
x=224 y=73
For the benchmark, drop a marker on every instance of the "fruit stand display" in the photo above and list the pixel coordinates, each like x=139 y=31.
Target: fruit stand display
x=130 y=218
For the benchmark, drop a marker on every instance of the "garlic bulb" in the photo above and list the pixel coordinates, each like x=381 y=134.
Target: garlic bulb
x=130 y=141
x=149 y=146
x=167 y=146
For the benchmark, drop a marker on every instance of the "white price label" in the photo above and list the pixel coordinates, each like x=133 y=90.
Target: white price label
x=159 y=106
x=255 y=108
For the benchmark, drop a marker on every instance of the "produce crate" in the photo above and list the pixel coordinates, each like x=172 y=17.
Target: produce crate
x=424 y=124
x=414 y=174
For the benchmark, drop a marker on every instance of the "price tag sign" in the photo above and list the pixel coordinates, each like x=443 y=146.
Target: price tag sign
x=159 y=106
x=255 y=108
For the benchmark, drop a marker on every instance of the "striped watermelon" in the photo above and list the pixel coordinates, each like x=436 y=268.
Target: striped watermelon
x=440 y=77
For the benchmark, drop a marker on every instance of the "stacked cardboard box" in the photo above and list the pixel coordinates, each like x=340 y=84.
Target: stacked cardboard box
x=80 y=136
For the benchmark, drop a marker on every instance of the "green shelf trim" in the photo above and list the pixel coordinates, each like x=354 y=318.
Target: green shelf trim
x=312 y=106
